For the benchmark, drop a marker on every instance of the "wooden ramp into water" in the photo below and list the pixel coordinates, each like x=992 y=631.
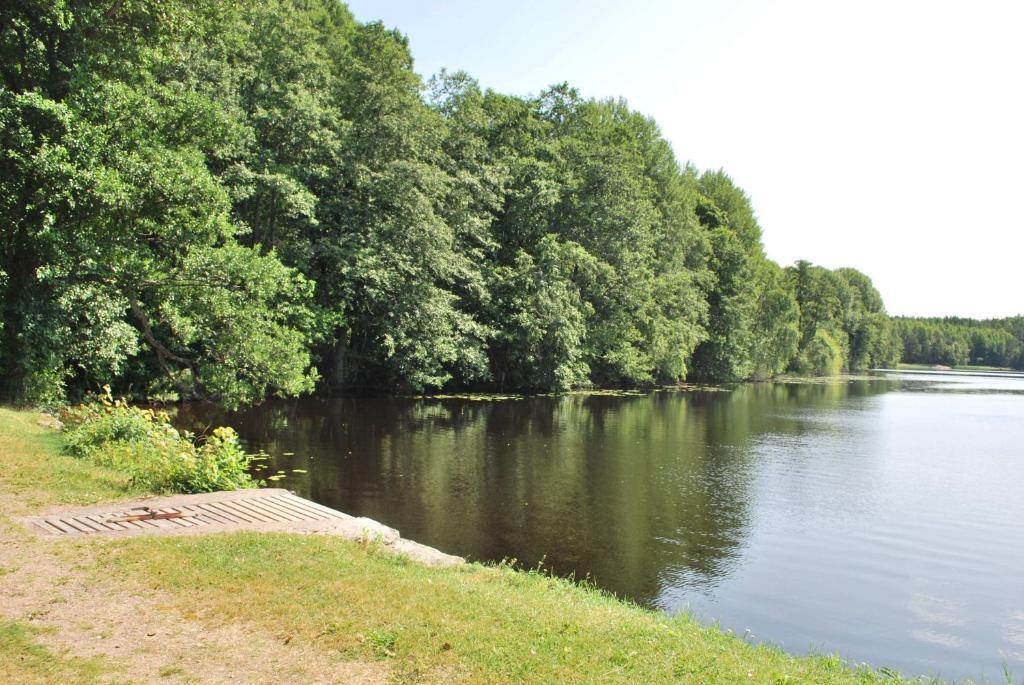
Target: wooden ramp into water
x=266 y=510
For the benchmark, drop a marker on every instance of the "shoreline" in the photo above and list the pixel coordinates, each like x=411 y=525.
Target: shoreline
x=383 y=617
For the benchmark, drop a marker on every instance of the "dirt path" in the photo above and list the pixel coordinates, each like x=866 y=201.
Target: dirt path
x=137 y=631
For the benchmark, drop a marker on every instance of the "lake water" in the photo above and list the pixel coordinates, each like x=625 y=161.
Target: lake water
x=881 y=519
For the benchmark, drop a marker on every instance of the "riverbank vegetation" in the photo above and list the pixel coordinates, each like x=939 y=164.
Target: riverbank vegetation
x=155 y=455
x=201 y=199
x=323 y=596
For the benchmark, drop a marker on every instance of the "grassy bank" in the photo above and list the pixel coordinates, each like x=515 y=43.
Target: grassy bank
x=34 y=469
x=351 y=602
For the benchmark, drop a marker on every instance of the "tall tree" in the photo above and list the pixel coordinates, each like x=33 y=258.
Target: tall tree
x=112 y=218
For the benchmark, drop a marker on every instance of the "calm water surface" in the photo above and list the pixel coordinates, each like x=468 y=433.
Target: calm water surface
x=880 y=519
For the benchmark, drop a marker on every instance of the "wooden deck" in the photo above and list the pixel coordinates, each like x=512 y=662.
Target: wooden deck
x=267 y=510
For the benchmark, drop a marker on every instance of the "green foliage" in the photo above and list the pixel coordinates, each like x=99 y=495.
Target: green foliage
x=118 y=233
x=843 y=324
x=143 y=444
x=248 y=332
x=724 y=204
x=821 y=356
x=542 y=318
x=776 y=322
x=872 y=339
x=726 y=353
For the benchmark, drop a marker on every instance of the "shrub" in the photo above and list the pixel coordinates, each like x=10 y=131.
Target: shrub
x=156 y=456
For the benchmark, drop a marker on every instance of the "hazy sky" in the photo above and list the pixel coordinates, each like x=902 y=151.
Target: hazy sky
x=882 y=135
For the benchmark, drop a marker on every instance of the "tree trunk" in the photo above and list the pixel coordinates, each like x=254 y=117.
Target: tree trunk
x=19 y=266
x=337 y=378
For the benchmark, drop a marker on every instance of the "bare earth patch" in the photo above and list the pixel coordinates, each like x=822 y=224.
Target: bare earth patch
x=136 y=630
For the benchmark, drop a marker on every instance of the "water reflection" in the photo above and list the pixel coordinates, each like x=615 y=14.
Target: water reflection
x=873 y=517
x=632 y=491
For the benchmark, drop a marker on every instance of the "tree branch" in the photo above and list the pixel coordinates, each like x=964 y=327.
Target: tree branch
x=163 y=354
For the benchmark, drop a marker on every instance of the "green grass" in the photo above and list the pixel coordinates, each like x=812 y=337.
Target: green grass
x=475 y=623
x=33 y=468
x=24 y=661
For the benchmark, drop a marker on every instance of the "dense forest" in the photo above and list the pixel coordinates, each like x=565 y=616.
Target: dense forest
x=953 y=341
x=235 y=200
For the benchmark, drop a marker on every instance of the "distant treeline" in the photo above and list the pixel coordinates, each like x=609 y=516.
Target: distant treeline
x=229 y=199
x=956 y=341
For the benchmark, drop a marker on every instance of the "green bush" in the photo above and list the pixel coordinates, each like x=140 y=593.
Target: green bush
x=157 y=457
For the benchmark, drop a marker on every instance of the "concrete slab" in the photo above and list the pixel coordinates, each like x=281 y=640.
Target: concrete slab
x=264 y=509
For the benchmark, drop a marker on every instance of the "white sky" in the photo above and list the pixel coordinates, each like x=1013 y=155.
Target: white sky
x=882 y=135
